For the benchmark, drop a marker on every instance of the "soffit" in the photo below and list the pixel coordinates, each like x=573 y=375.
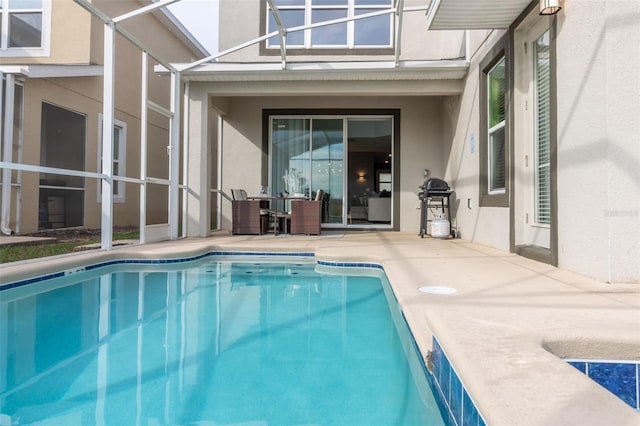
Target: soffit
x=332 y=78
x=328 y=71
x=474 y=14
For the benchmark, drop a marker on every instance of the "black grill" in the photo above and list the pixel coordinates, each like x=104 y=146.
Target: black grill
x=434 y=186
x=435 y=195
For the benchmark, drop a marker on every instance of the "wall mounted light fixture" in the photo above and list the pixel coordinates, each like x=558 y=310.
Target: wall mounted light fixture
x=549 y=7
x=361 y=176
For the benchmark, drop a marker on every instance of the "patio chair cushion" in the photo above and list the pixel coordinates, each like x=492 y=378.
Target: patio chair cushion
x=239 y=194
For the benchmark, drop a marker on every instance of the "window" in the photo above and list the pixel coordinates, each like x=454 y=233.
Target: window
x=496 y=87
x=494 y=127
x=119 y=151
x=372 y=32
x=384 y=181
x=24 y=27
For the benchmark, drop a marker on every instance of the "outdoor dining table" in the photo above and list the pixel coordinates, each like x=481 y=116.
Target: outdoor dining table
x=275 y=203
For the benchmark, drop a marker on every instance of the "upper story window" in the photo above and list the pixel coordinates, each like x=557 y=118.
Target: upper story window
x=24 y=27
x=372 y=32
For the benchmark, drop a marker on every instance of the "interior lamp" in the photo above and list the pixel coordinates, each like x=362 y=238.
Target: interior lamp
x=549 y=7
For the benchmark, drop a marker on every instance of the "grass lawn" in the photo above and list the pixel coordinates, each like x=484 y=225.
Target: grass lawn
x=66 y=242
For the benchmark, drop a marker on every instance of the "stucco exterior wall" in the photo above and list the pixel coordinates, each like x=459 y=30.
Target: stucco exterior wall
x=69 y=44
x=420 y=146
x=147 y=28
x=59 y=93
x=485 y=225
x=599 y=139
x=417 y=42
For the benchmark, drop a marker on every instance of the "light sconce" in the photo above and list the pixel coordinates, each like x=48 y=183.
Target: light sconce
x=549 y=7
x=362 y=176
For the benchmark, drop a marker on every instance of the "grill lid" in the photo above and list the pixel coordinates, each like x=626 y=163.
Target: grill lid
x=435 y=185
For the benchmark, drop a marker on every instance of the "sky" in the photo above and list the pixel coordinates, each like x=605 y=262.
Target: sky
x=201 y=19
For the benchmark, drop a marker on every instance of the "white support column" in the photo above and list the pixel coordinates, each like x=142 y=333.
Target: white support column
x=108 y=103
x=199 y=168
x=143 y=146
x=219 y=167
x=1 y=103
x=174 y=156
x=185 y=158
x=7 y=155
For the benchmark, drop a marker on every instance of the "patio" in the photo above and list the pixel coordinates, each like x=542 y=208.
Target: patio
x=495 y=329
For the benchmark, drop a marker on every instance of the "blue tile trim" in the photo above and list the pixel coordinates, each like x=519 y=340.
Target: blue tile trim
x=350 y=264
x=622 y=378
x=444 y=412
x=460 y=408
x=167 y=261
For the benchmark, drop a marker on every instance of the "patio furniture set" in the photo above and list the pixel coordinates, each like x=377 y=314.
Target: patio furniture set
x=260 y=214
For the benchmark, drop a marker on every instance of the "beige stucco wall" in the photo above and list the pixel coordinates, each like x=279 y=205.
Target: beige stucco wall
x=421 y=144
x=69 y=44
x=146 y=28
x=64 y=94
x=486 y=225
x=599 y=139
x=417 y=42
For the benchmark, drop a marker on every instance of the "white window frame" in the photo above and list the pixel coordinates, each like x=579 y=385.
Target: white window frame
x=121 y=128
x=490 y=132
x=14 y=52
x=351 y=9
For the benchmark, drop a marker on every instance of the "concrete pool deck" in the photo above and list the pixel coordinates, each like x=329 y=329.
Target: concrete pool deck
x=504 y=331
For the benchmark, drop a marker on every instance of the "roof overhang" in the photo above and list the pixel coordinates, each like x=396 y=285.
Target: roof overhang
x=372 y=78
x=474 y=14
x=54 y=71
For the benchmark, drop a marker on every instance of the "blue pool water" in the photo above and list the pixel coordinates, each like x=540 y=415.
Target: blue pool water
x=215 y=342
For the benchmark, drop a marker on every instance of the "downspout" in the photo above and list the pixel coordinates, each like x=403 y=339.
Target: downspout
x=7 y=156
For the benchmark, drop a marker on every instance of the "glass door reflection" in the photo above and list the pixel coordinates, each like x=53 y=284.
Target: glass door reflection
x=327 y=166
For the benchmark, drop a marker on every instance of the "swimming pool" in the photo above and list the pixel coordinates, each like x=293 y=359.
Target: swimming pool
x=224 y=341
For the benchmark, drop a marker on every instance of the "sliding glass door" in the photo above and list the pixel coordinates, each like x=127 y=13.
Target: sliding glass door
x=349 y=158
x=369 y=182
x=327 y=165
x=290 y=156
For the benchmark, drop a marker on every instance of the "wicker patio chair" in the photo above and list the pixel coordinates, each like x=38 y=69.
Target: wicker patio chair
x=248 y=216
x=306 y=215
